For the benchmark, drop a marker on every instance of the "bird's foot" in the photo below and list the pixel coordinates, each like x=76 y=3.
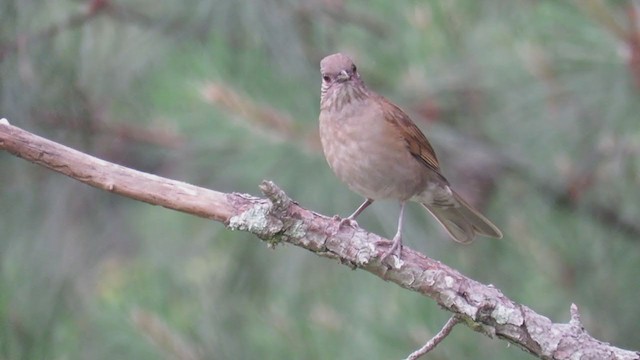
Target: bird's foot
x=395 y=249
x=348 y=221
x=351 y=220
x=342 y=222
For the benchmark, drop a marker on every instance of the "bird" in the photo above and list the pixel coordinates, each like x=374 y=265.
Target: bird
x=375 y=148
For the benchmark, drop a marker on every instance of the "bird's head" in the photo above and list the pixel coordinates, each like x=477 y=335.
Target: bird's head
x=340 y=79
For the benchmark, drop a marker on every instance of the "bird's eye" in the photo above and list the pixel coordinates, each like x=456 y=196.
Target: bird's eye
x=326 y=78
x=353 y=68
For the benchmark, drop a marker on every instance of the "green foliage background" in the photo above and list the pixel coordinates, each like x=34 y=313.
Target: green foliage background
x=547 y=86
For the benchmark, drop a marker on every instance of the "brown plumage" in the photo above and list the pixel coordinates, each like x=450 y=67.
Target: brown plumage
x=376 y=149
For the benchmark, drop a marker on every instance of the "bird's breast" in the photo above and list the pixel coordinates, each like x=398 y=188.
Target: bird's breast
x=368 y=154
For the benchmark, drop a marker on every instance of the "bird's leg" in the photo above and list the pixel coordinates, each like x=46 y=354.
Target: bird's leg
x=360 y=209
x=351 y=220
x=397 y=239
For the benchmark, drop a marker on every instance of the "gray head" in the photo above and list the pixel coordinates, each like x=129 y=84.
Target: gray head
x=337 y=68
x=340 y=80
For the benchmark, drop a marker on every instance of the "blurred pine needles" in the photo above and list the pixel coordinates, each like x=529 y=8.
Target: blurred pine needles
x=543 y=93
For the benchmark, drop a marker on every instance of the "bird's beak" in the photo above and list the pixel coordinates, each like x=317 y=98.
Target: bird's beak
x=343 y=76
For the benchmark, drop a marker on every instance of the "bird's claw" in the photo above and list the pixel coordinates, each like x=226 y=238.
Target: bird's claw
x=345 y=221
x=349 y=222
x=395 y=249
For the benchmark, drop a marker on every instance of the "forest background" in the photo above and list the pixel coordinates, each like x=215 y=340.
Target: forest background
x=532 y=106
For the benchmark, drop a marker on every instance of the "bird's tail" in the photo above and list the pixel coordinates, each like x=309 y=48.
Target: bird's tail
x=462 y=221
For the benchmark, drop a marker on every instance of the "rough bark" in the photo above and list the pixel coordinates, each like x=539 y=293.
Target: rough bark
x=278 y=219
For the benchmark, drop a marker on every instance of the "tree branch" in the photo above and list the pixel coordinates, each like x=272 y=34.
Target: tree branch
x=431 y=344
x=277 y=219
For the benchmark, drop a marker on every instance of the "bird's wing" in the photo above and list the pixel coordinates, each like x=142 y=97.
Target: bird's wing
x=416 y=142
